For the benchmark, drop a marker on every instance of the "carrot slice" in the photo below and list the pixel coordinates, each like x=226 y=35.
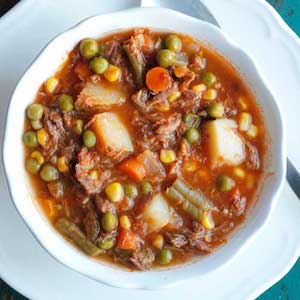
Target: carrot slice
x=158 y=79
x=127 y=240
x=134 y=169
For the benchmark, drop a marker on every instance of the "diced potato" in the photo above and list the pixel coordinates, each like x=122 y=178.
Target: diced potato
x=226 y=147
x=112 y=135
x=156 y=213
x=95 y=97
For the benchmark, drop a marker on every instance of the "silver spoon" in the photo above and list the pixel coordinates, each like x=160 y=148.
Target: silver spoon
x=197 y=9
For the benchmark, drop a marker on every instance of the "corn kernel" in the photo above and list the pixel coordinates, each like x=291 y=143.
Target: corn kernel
x=62 y=165
x=51 y=84
x=250 y=182
x=239 y=172
x=199 y=88
x=210 y=94
x=114 y=192
x=167 y=156
x=163 y=107
x=94 y=174
x=158 y=241
x=125 y=222
x=189 y=166
x=37 y=155
x=243 y=103
x=207 y=221
x=245 y=121
x=181 y=71
x=174 y=97
x=42 y=137
x=112 y=73
x=252 y=132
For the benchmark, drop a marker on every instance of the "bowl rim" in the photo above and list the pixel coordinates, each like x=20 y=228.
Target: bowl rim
x=164 y=282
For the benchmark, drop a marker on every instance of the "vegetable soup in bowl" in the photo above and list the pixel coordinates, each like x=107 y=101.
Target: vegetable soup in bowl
x=144 y=149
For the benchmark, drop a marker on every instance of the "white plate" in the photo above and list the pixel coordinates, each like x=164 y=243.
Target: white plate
x=29 y=269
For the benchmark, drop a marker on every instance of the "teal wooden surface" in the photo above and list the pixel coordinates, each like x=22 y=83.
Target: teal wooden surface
x=287 y=288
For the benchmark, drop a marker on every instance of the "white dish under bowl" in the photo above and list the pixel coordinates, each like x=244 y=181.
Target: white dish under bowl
x=47 y=63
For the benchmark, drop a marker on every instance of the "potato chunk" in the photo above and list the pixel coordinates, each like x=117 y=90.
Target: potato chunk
x=98 y=98
x=112 y=136
x=226 y=146
x=156 y=213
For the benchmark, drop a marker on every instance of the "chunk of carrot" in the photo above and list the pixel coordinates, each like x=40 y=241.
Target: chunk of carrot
x=133 y=168
x=127 y=240
x=158 y=79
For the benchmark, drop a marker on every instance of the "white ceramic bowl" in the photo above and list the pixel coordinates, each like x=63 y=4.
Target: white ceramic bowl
x=48 y=62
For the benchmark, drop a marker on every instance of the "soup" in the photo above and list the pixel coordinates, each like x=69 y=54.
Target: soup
x=145 y=148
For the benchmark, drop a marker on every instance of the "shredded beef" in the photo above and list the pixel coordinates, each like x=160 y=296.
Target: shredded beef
x=177 y=240
x=143 y=259
x=91 y=225
x=56 y=189
x=88 y=160
x=104 y=205
x=253 y=161
x=190 y=101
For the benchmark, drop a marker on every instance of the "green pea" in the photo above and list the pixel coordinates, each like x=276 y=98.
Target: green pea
x=36 y=124
x=146 y=187
x=32 y=166
x=191 y=120
x=209 y=79
x=99 y=65
x=89 y=139
x=106 y=244
x=130 y=190
x=109 y=222
x=88 y=48
x=165 y=256
x=216 y=110
x=78 y=126
x=225 y=183
x=49 y=173
x=30 y=139
x=65 y=102
x=165 y=58
x=35 y=111
x=192 y=135
x=173 y=42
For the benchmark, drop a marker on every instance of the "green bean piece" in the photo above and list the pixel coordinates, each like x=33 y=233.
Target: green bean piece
x=106 y=244
x=138 y=65
x=72 y=231
x=192 y=210
x=209 y=79
x=99 y=65
x=225 y=183
x=165 y=58
x=66 y=103
x=78 y=128
x=215 y=110
x=173 y=42
x=109 y=222
x=191 y=120
x=192 y=135
x=32 y=166
x=49 y=173
x=165 y=256
x=175 y=196
x=30 y=139
x=36 y=124
x=130 y=191
x=196 y=197
x=146 y=187
x=35 y=111
x=89 y=139
x=88 y=48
